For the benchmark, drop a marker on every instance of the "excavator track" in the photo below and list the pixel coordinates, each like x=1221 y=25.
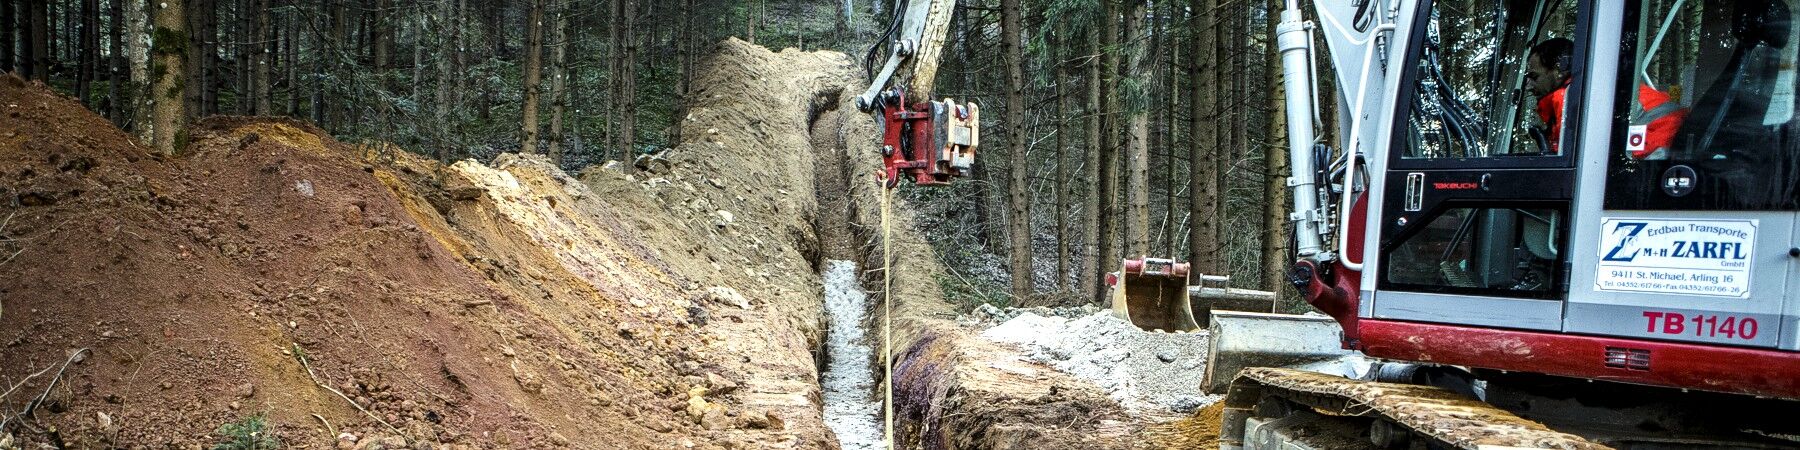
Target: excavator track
x=1395 y=415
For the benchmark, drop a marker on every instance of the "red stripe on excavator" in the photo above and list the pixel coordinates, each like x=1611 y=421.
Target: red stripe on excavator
x=1678 y=365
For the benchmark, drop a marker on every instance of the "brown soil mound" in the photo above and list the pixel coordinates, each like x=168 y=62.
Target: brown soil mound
x=504 y=306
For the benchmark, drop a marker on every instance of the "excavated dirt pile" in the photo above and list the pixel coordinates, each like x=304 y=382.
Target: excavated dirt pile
x=366 y=298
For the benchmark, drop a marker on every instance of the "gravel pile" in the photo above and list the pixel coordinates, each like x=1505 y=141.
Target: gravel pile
x=1138 y=369
x=990 y=315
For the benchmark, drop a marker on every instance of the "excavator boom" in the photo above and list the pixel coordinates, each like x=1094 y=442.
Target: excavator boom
x=930 y=142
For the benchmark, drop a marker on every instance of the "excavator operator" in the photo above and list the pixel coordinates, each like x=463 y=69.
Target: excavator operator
x=1550 y=69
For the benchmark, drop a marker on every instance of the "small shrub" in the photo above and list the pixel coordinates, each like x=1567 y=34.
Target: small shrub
x=251 y=433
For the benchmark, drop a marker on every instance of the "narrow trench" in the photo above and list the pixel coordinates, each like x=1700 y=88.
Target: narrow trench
x=852 y=410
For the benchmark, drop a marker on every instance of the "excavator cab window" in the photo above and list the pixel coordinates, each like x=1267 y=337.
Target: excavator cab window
x=1487 y=170
x=1710 y=121
x=1472 y=94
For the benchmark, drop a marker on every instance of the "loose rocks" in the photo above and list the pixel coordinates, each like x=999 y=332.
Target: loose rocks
x=1138 y=369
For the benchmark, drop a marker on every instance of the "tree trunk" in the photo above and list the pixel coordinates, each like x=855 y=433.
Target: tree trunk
x=58 y=31
x=265 y=41
x=37 y=50
x=384 y=35
x=115 y=63
x=843 y=20
x=243 y=37
x=201 y=53
x=793 y=8
x=316 y=95
x=1019 y=184
x=615 y=46
x=534 y=57
x=137 y=45
x=87 y=52
x=459 y=59
x=1157 y=132
x=1203 y=182
x=169 y=116
x=446 y=42
x=1227 y=27
x=627 y=115
x=1166 y=231
x=490 y=22
x=1275 y=260
x=684 y=54
x=987 y=209
x=336 y=109
x=1090 y=279
x=1137 y=187
x=292 y=68
x=7 y=32
x=1109 y=150
x=1060 y=155
x=559 y=77
x=215 y=71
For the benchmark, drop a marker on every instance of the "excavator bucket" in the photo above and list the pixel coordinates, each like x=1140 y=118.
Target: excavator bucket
x=1152 y=293
x=1159 y=294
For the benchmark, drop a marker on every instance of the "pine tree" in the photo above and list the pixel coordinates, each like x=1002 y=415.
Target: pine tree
x=1092 y=252
x=7 y=32
x=1275 y=200
x=1203 y=184
x=1019 y=191
x=1136 y=94
x=169 y=45
x=534 y=51
x=1107 y=185
x=559 y=76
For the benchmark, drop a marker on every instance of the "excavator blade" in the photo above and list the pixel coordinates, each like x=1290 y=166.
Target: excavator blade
x=1241 y=340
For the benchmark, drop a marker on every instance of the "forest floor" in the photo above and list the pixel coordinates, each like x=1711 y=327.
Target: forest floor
x=274 y=283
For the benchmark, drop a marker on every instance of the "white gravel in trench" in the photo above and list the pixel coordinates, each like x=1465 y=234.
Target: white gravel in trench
x=852 y=410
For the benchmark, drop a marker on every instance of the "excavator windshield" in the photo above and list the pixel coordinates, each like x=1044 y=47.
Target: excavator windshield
x=1470 y=91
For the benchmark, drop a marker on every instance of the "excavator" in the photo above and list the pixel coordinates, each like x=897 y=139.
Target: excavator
x=930 y=142
x=1543 y=224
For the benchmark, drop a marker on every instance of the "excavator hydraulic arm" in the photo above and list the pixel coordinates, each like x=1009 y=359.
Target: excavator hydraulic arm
x=928 y=141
